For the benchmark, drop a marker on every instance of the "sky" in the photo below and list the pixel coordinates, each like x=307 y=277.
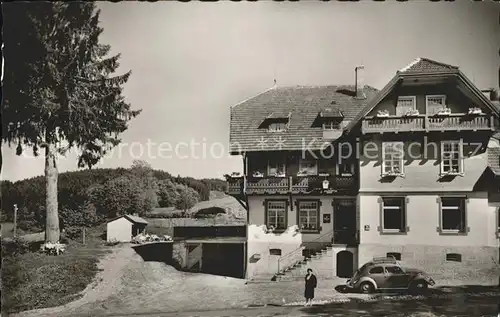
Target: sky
x=192 y=61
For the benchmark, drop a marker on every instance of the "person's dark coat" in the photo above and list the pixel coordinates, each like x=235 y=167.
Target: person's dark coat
x=311 y=284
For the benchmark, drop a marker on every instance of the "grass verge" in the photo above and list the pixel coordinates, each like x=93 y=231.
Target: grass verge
x=33 y=280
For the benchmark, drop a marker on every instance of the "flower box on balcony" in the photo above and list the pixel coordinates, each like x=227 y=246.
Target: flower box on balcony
x=412 y=113
x=451 y=173
x=281 y=175
x=302 y=174
x=257 y=174
x=444 y=112
x=393 y=174
x=235 y=174
x=323 y=174
x=383 y=114
x=475 y=111
x=309 y=228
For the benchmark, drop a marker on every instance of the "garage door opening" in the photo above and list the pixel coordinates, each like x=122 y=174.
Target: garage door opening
x=225 y=259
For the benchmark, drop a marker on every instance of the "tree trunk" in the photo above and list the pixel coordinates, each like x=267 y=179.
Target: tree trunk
x=51 y=204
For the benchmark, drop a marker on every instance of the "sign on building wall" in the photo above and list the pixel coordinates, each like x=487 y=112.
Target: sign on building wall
x=326 y=218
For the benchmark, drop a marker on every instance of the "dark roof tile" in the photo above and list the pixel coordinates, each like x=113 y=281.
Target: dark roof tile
x=303 y=104
x=425 y=65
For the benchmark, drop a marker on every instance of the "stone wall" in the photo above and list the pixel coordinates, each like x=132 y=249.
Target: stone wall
x=478 y=266
x=179 y=254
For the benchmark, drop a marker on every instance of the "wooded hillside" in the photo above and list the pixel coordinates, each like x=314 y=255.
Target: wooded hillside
x=88 y=197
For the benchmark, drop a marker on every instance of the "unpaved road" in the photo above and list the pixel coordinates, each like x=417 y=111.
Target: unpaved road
x=128 y=286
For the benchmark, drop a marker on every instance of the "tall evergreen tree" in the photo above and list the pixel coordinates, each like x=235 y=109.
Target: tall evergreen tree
x=60 y=91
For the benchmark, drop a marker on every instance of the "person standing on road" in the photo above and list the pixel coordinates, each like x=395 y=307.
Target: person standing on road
x=311 y=283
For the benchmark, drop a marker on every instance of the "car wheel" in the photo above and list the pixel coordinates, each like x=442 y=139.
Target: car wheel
x=366 y=288
x=419 y=287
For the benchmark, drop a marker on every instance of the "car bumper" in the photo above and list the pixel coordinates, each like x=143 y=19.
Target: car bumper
x=350 y=285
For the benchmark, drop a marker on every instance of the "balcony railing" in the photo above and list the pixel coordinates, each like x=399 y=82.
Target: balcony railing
x=450 y=122
x=289 y=184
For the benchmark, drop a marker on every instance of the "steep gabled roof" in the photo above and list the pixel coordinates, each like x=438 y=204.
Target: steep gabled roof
x=302 y=104
x=426 y=65
x=422 y=67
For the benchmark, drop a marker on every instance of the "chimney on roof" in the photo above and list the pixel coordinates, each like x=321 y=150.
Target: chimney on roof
x=358 y=82
x=491 y=94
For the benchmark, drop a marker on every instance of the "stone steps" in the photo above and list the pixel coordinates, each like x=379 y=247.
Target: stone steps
x=321 y=263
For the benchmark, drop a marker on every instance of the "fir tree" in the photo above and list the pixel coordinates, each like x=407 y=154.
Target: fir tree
x=60 y=91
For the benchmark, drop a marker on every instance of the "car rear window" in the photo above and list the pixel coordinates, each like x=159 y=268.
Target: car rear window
x=376 y=270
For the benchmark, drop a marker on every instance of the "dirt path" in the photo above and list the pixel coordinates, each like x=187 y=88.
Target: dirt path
x=106 y=283
x=129 y=286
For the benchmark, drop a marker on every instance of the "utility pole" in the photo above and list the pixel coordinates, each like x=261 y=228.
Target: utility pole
x=15 y=220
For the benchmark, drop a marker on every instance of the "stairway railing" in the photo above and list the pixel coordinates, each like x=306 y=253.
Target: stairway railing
x=282 y=259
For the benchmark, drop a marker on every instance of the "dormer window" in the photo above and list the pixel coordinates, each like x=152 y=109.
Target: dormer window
x=435 y=104
x=331 y=125
x=276 y=122
x=277 y=127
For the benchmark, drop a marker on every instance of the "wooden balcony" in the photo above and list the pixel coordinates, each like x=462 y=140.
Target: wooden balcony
x=451 y=122
x=289 y=185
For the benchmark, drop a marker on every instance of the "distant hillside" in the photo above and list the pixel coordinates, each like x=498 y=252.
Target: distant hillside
x=234 y=210
x=167 y=218
x=74 y=188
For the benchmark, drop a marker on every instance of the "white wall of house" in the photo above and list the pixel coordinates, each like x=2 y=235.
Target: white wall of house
x=420 y=174
x=260 y=243
x=425 y=248
x=120 y=230
x=423 y=219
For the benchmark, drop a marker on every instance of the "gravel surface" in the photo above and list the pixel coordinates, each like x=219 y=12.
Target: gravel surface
x=128 y=285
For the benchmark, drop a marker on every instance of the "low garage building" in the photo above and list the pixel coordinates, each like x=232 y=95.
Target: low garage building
x=125 y=227
x=218 y=250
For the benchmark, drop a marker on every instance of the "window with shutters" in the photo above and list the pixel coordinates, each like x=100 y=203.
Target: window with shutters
x=308 y=213
x=453 y=215
x=405 y=105
x=276 y=211
x=392 y=158
x=451 y=157
x=435 y=103
x=393 y=215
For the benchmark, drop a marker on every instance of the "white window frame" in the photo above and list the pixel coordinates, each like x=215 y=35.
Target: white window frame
x=330 y=125
x=284 y=127
x=401 y=159
x=351 y=165
x=402 y=210
x=276 y=165
x=413 y=100
x=457 y=208
x=460 y=157
x=427 y=97
x=314 y=169
x=311 y=212
x=275 y=213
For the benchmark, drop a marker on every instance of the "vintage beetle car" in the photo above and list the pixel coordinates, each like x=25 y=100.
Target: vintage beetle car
x=388 y=274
